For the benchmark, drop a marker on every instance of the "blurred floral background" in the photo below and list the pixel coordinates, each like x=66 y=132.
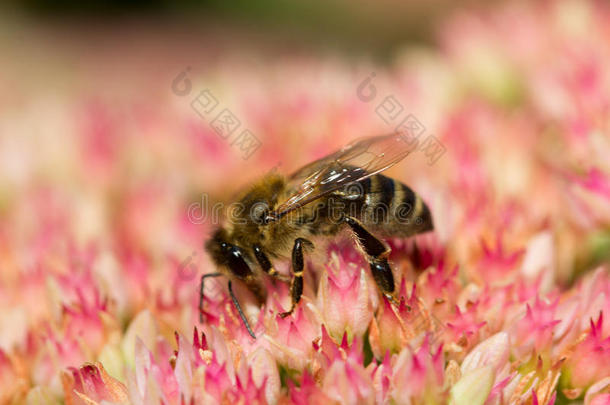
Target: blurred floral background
x=112 y=160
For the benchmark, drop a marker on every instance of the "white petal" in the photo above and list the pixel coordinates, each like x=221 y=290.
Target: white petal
x=493 y=351
x=474 y=387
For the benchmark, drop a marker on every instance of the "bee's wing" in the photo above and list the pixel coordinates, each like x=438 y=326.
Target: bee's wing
x=355 y=162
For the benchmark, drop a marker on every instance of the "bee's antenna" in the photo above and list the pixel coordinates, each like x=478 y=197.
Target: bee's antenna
x=201 y=293
x=241 y=313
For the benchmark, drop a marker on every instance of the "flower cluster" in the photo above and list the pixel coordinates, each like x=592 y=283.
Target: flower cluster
x=506 y=302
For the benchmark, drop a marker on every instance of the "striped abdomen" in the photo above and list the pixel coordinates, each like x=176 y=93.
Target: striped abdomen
x=387 y=206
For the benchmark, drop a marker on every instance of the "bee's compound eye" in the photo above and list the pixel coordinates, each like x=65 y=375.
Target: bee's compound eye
x=237 y=263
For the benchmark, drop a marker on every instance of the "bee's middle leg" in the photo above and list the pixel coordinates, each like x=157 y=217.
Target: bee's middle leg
x=377 y=254
x=266 y=265
x=298 y=265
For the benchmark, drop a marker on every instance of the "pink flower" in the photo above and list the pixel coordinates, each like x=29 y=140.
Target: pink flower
x=535 y=331
x=463 y=327
x=110 y=186
x=90 y=384
x=598 y=393
x=590 y=358
x=308 y=393
x=291 y=341
x=327 y=351
x=496 y=262
x=395 y=327
x=343 y=296
x=417 y=374
x=347 y=382
x=13 y=384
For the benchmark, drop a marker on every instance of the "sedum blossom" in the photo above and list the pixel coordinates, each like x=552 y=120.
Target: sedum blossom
x=505 y=303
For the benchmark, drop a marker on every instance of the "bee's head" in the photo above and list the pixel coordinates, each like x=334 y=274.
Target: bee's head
x=227 y=254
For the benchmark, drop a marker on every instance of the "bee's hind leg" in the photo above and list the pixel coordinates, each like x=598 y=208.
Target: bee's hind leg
x=377 y=254
x=298 y=265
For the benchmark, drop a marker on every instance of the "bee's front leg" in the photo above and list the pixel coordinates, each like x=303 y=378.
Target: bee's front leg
x=298 y=265
x=201 y=291
x=377 y=254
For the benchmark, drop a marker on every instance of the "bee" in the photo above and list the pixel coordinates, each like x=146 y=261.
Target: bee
x=284 y=217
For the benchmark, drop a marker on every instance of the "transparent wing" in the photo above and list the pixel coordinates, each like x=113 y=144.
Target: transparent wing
x=355 y=162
